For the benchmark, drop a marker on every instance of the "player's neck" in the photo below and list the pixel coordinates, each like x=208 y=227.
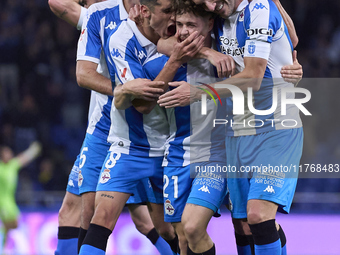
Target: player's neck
x=128 y=4
x=149 y=32
x=208 y=41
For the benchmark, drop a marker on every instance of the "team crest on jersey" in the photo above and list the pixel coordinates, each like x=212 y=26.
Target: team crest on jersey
x=80 y=179
x=105 y=176
x=241 y=17
x=169 y=209
x=251 y=48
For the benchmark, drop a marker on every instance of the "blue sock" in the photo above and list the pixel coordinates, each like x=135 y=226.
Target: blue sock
x=67 y=241
x=174 y=245
x=95 y=240
x=283 y=241
x=90 y=250
x=284 y=250
x=162 y=246
x=266 y=238
x=269 y=249
x=242 y=243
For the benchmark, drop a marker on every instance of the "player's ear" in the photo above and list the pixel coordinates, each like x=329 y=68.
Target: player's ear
x=145 y=11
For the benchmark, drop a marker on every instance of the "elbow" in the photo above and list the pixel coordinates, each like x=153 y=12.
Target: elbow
x=80 y=79
x=142 y=107
x=255 y=83
x=256 y=86
x=144 y=110
x=119 y=106
x=53 y=5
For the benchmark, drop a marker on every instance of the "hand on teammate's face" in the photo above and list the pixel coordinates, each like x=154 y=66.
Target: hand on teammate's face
x=187 y=49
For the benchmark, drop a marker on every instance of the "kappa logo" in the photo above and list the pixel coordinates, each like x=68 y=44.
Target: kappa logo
x=70 y=183
x=169 y=209
x=259 y=6
x=204 y=189
x=115 y=53
x=270 y=189
x=105 y=176
x=141 y=55
x=80 y=178
x=112 y=25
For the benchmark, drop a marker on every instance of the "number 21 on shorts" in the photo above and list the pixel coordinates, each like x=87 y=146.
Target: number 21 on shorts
x=166 y=181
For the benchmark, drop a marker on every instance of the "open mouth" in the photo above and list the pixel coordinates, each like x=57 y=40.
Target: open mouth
x=171 y=30
x=219 y=6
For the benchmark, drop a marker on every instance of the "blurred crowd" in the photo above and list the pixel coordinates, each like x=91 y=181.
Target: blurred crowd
x=40 y=99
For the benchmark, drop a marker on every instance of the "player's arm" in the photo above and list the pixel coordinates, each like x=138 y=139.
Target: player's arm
x=185 y=93
x=68 y=10
x=89 y=78
x=29 y=154
x=88 y=58
x=182 y=52
x=289 y=23
x=124 y=65
x=139 y=88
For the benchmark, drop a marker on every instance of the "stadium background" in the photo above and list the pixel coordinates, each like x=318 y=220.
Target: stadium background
x=39 y=99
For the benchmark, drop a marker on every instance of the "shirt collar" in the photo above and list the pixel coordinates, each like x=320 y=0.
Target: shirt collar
x=122 y=12
x=143 y=41
x=242 y=5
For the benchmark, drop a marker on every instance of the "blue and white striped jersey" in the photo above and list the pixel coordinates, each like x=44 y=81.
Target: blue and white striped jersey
x=131 y=132
x=192 y=135
x=258 y=30
x=102 y=19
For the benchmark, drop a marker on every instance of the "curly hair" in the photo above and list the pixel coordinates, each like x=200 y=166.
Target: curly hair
x=188 y=6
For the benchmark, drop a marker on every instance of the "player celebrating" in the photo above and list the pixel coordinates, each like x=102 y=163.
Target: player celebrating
x=137 y=140
x=95 y=145
x=193 y=143
x=264 y=55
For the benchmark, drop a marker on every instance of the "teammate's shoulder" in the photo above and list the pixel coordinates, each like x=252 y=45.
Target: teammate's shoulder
x=124 y=31
x=122 y=34
x=102 y=6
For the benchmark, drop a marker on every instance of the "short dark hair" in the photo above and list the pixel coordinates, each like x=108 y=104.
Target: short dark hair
x=188 y=6
x=149 y=3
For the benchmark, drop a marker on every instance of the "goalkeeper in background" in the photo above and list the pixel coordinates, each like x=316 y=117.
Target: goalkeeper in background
x=9 y=169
